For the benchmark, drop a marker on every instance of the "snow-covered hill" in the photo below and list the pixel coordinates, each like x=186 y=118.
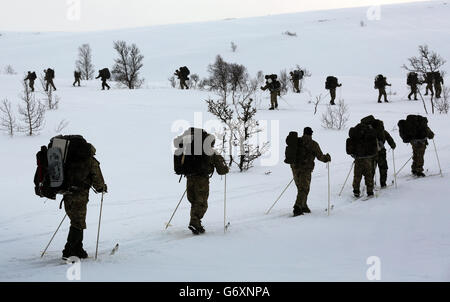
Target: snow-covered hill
x=408 y=228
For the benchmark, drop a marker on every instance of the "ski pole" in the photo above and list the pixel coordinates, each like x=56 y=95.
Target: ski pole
x=423 y=101
x=403 y=166
x=395 y=173
x=42 y=255
x=225 y=206
x=348 y=175
x=437 y=157
x=99 y=222
x=329 y=194
x=167 y=225
x=280 y=196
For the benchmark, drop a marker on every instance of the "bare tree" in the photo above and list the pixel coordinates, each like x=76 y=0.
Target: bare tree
x=218 y=77
x=84 y=62
x=335 y=117
x=9 y=70
x=284 y=81
x=316 y=102
x=61 y=126
x=128 y=65
x=427 y=61
x=51 y=99
x=7 y=118
x=32 y=112
x=194 y=80
x=172 y=81
x=443 y=104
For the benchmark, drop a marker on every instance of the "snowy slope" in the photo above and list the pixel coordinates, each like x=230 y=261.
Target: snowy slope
x=407 y=228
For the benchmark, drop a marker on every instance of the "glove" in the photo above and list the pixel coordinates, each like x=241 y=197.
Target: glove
x=104 y=189
x=393 y=146
x=328 y=157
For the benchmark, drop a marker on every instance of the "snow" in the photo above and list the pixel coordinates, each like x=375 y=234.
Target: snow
x=407 y=228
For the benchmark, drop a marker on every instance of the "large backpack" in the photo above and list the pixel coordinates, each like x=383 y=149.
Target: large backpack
x=33 y=76
x=331 y=82
x=54 y=173
x=105 y=73
x=194 y=149
x=362 y=141
x=379 y=81
x=185 y=72
x=412 y=79
x=414 y=127
x=50 y=73
x=377 y=125
x=295 y=151
x=297 y=75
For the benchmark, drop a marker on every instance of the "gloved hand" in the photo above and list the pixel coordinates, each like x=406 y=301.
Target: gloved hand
x=393 y=146
x=328 y=157
x=104 y=189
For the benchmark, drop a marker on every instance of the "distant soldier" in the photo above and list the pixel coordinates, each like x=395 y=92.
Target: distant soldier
x=438 y=82
x=104 y=74
x=413 y=81
x=429 y=79
x=382 y=137
x=31 y=77
x=415 y=130
x=49 y=76
x=362 y=145
x=77 y=76
x=331 y=84
x=300 y=154
x=380 y=84
x=296 y=77
x=183 y=75
x=196 y=159
x=274 y=87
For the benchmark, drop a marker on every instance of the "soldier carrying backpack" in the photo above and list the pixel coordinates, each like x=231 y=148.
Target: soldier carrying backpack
x=412 y=81
x=274 y=87
x=183 y=75
x=415 y=130
x=380 y=84
x=438 y=82
x=428 y=78
x=104 y=74
x=196 y=159
x=31 y=77
x=300 y=155
x=67 y=166
x=77 y=76
x=296 y=76
x=331 y=84
x=49 y=76
x=362 y=145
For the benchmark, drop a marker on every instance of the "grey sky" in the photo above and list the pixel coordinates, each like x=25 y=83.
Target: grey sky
x=82 y=15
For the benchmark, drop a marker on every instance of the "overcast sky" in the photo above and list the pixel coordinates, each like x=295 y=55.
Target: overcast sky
x=82 y=15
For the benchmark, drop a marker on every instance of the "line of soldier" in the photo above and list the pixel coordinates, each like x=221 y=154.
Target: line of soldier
x=49 y=76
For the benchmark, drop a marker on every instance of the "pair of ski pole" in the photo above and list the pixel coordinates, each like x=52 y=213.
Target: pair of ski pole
x=98 y=232
x=224 y=207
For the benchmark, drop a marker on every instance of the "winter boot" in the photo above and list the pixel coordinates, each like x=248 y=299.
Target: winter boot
x=79 y=251
x=420 y=174
x=196 y=230
x=305 y=209
x=70 y=245
x=297 y=211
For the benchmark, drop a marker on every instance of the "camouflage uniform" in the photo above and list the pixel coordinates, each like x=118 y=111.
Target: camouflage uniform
x=302 y=170
x=429 y=87
x=273 y=95
x=81 y=176
x=30 y=80
x=198 y=189
x=182 y=79
x=413 y=91
x=419 y=146
x=363 y=167
x=77 y=76
x=437 y=86
x=49 y=81
x=333 y=94
x=380 y=159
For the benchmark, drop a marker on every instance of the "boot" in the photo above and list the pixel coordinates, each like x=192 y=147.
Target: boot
x=79 y=251
x=420 y=174
x=297 y=211
x=305 y=209
x=196 y=229
x=71 y=241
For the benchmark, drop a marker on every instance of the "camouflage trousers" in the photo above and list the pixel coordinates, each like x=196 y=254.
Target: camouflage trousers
x=50 y=83
x=31 y=84
x=418 y=154
x=413 y=92
x=382 y=164
x=77 y=81
x=363 y=167
x=302 y=180
x=76 y=208
x=429 y=88
x=105 y=85
x=183 y=84
x=382 y=93
x=297 y=86
x=274 y=99
x=197 y=194
x=438 y=90
x=333 y=95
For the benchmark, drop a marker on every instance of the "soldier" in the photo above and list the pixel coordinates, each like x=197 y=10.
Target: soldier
x=77 y=76
x=380 y=84
x=438 y=82
x=104 y=74
x=413 y=81
x=31 y=77
x=296 y=76
x=309 y=150
x=85 y=175
x=274 y=87
x=428 y=79
x=331 y=84
x=419 y=146
x=183 y=75
x=49 y=76
x=197 y=171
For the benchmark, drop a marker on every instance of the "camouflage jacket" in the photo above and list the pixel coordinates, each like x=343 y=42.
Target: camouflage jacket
x=311 y=152
x=84 y=175
x=423 y=141
x=389 y=139
x=217 y=162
